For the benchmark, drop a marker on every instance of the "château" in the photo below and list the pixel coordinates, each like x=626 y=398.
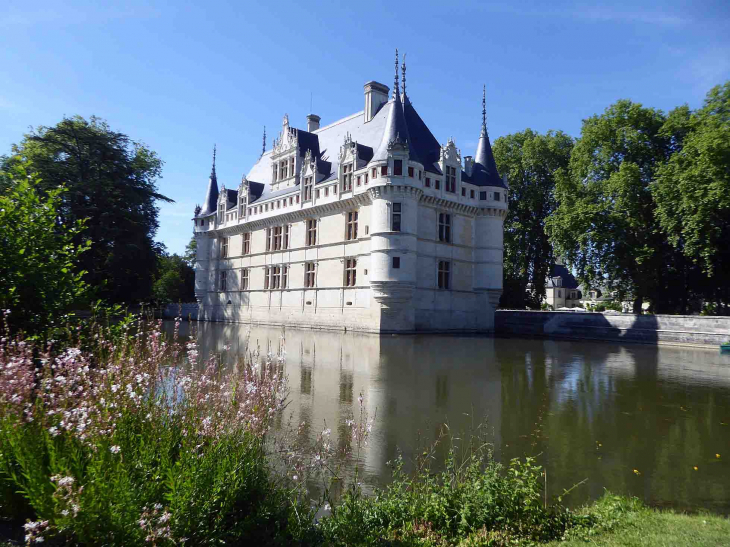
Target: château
x=367 y=224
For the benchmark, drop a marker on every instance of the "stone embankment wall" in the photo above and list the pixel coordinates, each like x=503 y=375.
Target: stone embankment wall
x=185 y=311
x=646 y=329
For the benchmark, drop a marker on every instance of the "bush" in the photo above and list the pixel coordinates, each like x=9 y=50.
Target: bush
x=116 y=446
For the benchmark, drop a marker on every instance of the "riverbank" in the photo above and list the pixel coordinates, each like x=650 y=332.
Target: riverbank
x=684 y=330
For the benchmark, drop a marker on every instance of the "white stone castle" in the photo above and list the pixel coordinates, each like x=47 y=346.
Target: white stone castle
x=366 y=224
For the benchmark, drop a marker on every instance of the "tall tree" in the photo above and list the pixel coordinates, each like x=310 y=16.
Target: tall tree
x=604 y=223
x=40 y=278
x=111 y=182
x=530 y=161
x=175 y=281
x=692 y=194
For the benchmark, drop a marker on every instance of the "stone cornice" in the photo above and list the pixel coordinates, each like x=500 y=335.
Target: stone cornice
x=382 y=191
x=294 y=216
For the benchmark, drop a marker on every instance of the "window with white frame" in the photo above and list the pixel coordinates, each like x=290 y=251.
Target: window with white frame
x=224 y=247
x=444 y=273
x=450 y=180
x=244 y=279
x=311 y=232
x=396 y=217
x=351 y=225
x=308 y=185
x=445 y=227
x=247 y=243
x=347 y=177
x=350 y=272
x=310 y=274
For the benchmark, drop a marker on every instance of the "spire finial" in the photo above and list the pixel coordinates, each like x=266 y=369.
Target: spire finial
x=403 y=70
x=212 y=172
x=263 y=146
x=395 y=84
x=484 y=109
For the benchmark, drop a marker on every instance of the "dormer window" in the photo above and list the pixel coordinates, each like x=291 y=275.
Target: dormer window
x=347 y=177
x=397 y=167
x=308 y=188
x=221 y=212
x=450 y=180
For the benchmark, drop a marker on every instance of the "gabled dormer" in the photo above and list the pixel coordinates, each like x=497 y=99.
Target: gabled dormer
x=244 y=190
x=285 y=157
x=450 y=164
x=222 y=205
x=349 y=163
x=308 y=177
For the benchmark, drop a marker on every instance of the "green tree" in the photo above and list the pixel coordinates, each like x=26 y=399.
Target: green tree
x=531 y=161
x=111 y=182
x=692 y=194
x=191 y=251
x=39 y=255
x=604 y=223
x=175 y=281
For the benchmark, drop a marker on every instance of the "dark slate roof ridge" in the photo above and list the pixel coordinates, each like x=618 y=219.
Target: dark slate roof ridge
x=569 y=281
x=426 y=147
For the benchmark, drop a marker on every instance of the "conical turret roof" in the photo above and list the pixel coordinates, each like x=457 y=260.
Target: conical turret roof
x=210 y=205
x=484 y=172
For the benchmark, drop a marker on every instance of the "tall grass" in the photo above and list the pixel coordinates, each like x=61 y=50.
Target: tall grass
x=133 y=440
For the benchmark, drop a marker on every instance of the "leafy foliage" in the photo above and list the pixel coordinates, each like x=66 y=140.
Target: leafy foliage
x=40 y=279
x=175 y=280
x=692 y=193
x=111 y=182
x=531 y=161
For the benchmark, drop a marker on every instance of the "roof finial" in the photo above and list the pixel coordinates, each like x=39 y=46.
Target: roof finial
x=403 y=69
x=263 y=146
x=212 y=172
x=395 y=84
x=484 y=109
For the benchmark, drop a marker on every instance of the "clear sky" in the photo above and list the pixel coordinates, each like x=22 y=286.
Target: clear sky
x=180 y=76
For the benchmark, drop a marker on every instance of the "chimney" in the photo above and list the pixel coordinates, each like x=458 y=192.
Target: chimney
x=376 y=95
x=313 y=122
x=468 y=164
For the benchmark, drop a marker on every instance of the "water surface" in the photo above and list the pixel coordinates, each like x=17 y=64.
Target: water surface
x=653 y=422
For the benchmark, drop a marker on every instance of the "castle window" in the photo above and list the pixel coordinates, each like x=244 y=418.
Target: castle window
x=291 y=166
x=410 y=172
x=326 y=192
x=247 y=243
x=482 y=196
x=310 y=274
x=444 y=274
x=291 y=201
x=428 y=182
x=419 y=174
x=297 y=198
x=244 y=279
x=395 y=221
x=450 y=179
x=396 y=262
x=221 y=212
x=463 y=192
x=284 y=170
x=307 y=189
x=266 y=278
x=471 y=194
x=397 y=167
x=284 y=277
x=223 y=281
x=347 y=177
x=272 y=279
x=383 y=170
x=359 y=180
x=374 y=173
x=366 y=179
x=496 y=196
x=311 y=232
x=317 y=193
x=350 y=272
x=437 y=184
x=274 y=172
x=351 y=225
x=224 y=247
x=287 y=233
x=445 y=227
x=276 y=245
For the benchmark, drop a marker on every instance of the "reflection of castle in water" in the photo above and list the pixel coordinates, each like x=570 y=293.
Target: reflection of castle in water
x=412 y=384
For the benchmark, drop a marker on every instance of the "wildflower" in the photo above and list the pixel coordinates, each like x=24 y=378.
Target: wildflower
x=327 y=507
x=637 y=472
x=53 y=431
x=695 y=468
x=115 y=388
x=295 y=477
x=115 y=449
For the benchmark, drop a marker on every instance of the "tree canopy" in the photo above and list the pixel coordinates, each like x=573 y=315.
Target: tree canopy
x=175 y=280
x=530 y=161
x=111 y=183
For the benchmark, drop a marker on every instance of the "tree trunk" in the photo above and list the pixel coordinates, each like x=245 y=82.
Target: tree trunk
x=638 y=302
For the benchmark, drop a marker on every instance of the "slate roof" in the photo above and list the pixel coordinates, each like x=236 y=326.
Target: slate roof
x=558 y=270
x=210 y=205
x=396 y=119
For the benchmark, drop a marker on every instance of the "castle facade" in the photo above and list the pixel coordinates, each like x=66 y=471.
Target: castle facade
x=366 y=224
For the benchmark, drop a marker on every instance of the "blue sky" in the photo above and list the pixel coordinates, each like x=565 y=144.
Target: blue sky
x=181 y=76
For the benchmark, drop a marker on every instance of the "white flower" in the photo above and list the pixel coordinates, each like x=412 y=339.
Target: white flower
x=115 y=388
x=53 y=431
x=327 y=507
x=115 y=449
x=295 y=477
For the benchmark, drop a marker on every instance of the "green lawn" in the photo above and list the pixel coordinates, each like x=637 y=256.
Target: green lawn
x=632 y=524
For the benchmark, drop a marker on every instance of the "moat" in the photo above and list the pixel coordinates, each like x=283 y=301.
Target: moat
x=648 y=421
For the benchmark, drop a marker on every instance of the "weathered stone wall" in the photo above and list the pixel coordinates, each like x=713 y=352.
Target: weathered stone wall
x=647 y=329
